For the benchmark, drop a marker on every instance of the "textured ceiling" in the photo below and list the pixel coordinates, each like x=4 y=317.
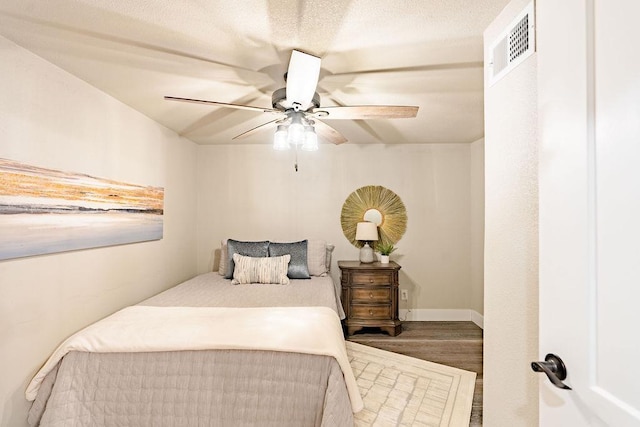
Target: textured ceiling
x=409 y=52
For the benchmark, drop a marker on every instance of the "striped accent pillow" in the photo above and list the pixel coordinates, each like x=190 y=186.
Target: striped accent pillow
x=260 y=270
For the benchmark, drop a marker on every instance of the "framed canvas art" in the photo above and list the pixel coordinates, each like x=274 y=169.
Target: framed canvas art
x=44 y=211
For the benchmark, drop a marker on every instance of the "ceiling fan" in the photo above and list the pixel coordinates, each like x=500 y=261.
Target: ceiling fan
x=296 y=107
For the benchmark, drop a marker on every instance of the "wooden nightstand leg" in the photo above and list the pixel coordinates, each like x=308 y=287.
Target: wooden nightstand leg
x=353 y=329
x=392 y=330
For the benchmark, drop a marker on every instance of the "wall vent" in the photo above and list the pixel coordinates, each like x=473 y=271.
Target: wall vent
x=515 y=44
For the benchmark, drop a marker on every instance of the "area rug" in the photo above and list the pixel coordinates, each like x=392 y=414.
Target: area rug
x=398 y=390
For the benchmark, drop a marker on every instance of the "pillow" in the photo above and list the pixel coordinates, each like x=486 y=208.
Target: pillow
x=317 y=257
x=298 y=250
x=252 y=249
x=330 y=249
x=224 y=258
x=260 y=270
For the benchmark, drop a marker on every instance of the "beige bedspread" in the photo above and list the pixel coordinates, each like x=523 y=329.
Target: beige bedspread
x=194 y=388
x=213 y=290
x=309 y=330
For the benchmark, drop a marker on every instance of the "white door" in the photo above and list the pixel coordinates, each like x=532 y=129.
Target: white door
x=589 y=130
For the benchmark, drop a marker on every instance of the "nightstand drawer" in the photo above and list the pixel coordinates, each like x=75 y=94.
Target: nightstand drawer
x=371 y=294
x=377 y=278
x=371 y=311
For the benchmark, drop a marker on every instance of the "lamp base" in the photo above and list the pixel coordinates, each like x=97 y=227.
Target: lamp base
x=366 y=254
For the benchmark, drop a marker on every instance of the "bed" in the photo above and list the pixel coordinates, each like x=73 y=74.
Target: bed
x=209 y=352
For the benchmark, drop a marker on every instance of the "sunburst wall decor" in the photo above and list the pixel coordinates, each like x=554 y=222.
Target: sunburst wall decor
x=376 y=204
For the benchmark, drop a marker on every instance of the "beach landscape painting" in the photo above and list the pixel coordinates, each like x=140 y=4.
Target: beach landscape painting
x=44 y=211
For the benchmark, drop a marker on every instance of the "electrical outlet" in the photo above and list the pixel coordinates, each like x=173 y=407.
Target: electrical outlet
x=404 y=294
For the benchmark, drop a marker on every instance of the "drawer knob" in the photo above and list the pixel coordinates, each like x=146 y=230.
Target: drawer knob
x=370 y=280
x=370 y=294
x=370 y=312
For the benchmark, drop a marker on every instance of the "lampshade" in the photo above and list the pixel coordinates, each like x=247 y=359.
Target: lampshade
x=310 y=139
x=296 y=130
x=280 y=139
x=366 y=231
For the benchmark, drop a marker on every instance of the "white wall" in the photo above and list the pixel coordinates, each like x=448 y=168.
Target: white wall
x=253 y=192
x=51 y=119
x=511 y=240
x=477 y=226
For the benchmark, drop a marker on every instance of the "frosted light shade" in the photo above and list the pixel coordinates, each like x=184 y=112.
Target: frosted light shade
x=296 y=134
x=280 y=141
x=310 y=139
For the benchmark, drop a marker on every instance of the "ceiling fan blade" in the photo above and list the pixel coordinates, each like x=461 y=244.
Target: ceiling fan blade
x=365 y=112
x=302 y=78
x=256 y=129
x=223 y=104
x=328 y=133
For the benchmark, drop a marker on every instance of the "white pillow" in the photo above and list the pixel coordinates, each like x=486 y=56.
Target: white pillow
x=260 y=270
x=330 y=249
x=224 y=258
x=317 y=257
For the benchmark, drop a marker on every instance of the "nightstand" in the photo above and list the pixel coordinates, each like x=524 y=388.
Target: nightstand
x=370 y=296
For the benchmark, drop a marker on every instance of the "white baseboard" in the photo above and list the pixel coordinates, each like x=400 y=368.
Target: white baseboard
x=442 y=315
x=477 y=318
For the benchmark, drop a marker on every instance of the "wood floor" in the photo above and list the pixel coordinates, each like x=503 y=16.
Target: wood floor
x=457 y=344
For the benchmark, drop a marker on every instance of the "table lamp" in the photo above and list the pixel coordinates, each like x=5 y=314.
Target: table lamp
x=366 y=232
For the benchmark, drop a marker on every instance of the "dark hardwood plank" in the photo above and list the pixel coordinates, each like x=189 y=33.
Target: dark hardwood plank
x=457 y=344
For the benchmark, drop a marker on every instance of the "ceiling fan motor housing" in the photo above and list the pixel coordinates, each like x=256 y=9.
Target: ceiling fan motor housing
x=279 y=101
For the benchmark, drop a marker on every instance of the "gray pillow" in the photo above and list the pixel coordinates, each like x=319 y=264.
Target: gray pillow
x=252 y=249
x=298 y=268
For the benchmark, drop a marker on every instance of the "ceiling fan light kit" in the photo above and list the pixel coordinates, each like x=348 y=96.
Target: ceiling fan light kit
x=299 y=133
x=298 y=105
